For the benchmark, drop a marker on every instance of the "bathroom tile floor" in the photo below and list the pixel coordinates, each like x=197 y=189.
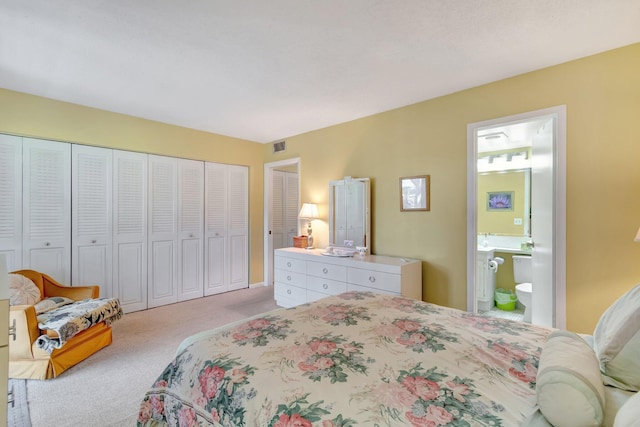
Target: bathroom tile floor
x=517 y=314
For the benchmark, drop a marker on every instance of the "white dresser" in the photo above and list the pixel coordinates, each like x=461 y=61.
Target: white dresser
x=303 y=275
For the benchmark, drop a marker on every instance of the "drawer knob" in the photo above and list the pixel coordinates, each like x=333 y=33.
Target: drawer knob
x=288 y=264
x=289 y=278
x=289 y=291
x=94 y=241
x=325 y=271
x=47 y=244
x=325 y=286
x=372 y=279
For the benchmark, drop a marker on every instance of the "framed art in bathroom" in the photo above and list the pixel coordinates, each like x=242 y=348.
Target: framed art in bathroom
x=414 y=193
x=500 y=200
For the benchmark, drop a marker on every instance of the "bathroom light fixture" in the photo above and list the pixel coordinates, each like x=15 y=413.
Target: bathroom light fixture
x=309 y=211
x=494 y=135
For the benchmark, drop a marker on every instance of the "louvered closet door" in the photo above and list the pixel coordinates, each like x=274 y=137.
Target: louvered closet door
x=215 y=235
x=130 y=229
x=47 y=208
x=292 y=207
x=238 y=227
x=91 y=201
x=11 y=200
x=163 y=231
x=278 y=231
x=191 y=229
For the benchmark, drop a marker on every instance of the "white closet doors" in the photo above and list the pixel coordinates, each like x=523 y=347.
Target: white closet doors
x=11 y=200
x=163 y=235
x=91 y=207
x=176 y=194
x=226 y=228
x=285 y=206
x=292 y=206
x=132 y=223
x=278 y=203
x=46 y=190
x=238 y=227
x=130 y=229
x=191 y=229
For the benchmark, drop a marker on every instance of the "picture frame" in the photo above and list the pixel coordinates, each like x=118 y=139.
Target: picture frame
x=500 y=201
x=415 y=193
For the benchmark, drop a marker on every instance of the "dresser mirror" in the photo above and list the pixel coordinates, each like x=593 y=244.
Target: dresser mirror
x=349 y=213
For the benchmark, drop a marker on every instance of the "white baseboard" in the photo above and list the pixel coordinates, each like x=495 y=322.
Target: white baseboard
x=255 y=285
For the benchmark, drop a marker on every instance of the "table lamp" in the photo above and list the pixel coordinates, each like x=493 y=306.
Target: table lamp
x=309 y=211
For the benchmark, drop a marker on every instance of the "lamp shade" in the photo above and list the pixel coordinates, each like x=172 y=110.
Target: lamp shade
x=309 y=211
x=637 y=239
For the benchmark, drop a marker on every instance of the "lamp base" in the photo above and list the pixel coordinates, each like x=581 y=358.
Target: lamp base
x=309 y=240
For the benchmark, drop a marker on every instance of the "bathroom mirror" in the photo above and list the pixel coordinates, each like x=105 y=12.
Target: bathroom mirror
x=349 y=212
x=504 y=202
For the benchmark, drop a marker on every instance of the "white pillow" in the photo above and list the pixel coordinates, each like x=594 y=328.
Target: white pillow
x=617 y=341
x=22 y=290
x=569 y=387
x=629 y=414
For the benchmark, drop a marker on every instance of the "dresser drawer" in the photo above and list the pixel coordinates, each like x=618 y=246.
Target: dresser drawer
x=290 y=264
x=352 y=287
x=325 y=286
x=375 y=279
x=288 y=295
x=291 y=278
x=327 y=271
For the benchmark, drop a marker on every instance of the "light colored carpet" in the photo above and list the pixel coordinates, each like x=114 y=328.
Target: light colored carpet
x=18 y=412
x=107 y=388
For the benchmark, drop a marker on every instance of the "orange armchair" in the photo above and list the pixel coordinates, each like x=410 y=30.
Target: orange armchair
x=26 y=359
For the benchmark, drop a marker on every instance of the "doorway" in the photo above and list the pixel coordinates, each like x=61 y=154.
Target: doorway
x=534 y=144
x=269 y=169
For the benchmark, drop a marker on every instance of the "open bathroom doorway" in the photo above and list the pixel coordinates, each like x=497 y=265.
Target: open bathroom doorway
x=516 y=203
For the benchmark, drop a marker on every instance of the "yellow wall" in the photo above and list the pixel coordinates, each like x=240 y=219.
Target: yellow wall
x=501 y=221
x=33 y=116
x=602 y=95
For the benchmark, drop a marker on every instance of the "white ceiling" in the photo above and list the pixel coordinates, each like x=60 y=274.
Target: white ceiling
x=268 y=69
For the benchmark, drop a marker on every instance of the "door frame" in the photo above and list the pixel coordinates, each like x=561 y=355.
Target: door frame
x=559 y=199
x=268 y=214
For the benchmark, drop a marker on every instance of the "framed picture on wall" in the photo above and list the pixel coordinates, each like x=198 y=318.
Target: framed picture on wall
x=500 y=200
x=414 y=193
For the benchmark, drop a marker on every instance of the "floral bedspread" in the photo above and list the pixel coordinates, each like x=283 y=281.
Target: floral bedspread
x=72 y=319
x=355 y=359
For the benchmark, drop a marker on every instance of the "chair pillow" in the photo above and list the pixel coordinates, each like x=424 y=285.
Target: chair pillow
x=617 y=341
x=569 y=387
x=22 y=290
x=629 y=413
x=51 y=303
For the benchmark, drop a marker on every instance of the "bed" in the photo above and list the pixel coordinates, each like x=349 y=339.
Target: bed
x=365 y=359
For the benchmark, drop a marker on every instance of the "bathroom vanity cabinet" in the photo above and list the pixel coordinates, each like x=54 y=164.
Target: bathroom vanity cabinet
x=303 y=275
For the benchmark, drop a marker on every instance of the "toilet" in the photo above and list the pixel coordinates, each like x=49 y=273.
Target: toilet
x=522 y=276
